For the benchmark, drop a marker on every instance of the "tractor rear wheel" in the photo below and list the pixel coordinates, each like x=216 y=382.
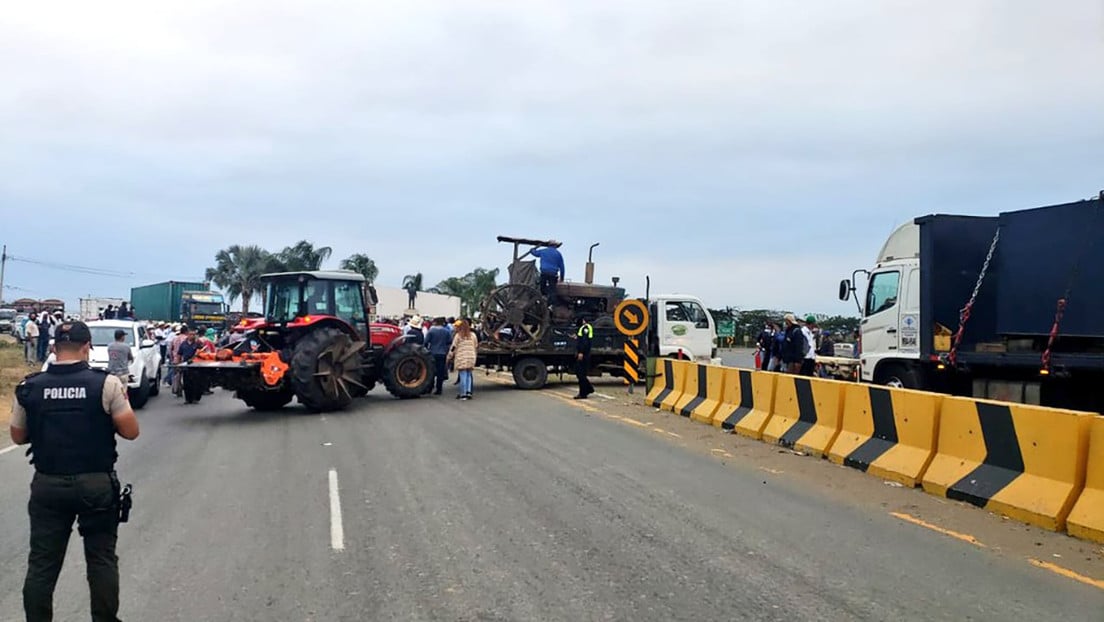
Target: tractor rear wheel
x=408 y=371
x=325 y=366
x=259 y=399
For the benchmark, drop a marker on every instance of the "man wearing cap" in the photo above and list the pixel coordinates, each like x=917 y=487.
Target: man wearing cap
x=808 y=363
x=551 y=266
x=583 y=341
x=793 y=345
x=70 y=414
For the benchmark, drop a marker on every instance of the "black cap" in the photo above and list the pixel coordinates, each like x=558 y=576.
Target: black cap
x=72 y=332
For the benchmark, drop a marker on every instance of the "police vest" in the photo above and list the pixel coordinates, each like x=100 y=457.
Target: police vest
x=69 y=431
x=586 y=330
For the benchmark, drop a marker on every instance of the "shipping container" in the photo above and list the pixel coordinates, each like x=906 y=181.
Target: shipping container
x=161 y=301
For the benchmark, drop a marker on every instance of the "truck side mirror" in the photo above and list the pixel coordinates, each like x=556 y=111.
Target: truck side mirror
x=845 y=290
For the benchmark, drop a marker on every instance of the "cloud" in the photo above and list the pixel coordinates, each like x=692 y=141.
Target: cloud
x=737 y=139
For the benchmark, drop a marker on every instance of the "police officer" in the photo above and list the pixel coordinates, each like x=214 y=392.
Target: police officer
x=70 y=414
x=583 y=341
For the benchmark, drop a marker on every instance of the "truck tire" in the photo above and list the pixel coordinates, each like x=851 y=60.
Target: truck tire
x=530 y=373
x=261 y=400
x=408 y=371
x=306 y=363
x=900 y=375
x=138 y=397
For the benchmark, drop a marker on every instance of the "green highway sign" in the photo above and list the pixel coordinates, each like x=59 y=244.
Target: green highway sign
x=726 y=328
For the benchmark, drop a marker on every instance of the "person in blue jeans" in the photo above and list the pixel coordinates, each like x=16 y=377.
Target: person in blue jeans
x=462 y=354
x=438 y=342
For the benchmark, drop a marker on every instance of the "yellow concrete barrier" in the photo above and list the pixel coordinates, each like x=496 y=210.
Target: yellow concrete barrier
x=749 y=417
x=1026 y=462
x=806 y=413
x=680 y=372
x=693 y=391
x=889 y=433
x=664 y=384
x=715 y=378
x=1087 y=518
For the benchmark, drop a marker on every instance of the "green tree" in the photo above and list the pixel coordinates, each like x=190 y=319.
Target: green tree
x=238 y=271
x=302 y=256
x=471 y=289
x=362 y=264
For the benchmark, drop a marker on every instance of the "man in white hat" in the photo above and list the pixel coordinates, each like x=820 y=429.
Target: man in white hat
x=415 y=332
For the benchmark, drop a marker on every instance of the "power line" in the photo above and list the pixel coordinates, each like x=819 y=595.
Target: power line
x=64 y=267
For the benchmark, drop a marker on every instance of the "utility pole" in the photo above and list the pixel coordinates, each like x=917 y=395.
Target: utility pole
x=3 y=263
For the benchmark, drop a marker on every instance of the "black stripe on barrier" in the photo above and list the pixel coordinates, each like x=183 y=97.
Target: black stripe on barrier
x=703 y=380
x=806 y=413
x=1003 y=461
x=885 y=431
x=747 y=402
x=668 y=384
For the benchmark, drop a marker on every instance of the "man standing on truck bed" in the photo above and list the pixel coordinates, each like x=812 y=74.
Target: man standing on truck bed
x=551 y=267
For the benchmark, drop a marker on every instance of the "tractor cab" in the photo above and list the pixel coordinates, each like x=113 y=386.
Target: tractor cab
x=295 y=299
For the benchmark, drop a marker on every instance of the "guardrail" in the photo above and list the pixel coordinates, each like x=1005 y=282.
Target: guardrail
x=1042 y=466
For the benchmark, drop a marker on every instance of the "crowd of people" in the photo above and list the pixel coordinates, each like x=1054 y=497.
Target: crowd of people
x=452 y=343
x=792 y=346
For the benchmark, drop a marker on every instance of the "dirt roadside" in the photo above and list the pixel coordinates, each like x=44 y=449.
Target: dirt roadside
x=998 y=534
x=12 y=370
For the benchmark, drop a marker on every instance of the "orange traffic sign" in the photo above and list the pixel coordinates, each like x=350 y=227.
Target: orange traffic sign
x=631 y=317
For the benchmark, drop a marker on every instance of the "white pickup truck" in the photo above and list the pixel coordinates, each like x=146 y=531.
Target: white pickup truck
x=145 y=369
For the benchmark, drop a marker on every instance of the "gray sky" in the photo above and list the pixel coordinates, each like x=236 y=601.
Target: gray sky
x=752 y=153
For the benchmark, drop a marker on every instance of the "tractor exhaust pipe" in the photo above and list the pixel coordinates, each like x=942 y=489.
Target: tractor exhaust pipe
x=590 y=264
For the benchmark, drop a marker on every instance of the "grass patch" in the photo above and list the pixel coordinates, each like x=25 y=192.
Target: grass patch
x=12 y=370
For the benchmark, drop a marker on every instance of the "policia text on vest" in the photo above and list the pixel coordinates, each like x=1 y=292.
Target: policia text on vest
x=70 y=415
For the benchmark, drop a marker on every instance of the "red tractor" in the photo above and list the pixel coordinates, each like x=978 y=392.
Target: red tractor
x=314 y=343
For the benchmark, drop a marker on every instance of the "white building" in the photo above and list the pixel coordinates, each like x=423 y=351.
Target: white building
x=393 y=304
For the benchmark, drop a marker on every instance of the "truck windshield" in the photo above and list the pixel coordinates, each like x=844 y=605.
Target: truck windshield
x=882 y=294
x=687 y=311
x=205 y=308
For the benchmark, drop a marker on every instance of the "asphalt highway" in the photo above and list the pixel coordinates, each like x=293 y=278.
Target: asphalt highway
x=514 y=506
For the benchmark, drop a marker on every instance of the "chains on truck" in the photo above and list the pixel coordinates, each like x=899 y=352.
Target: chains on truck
x=964 y=313
x=1063 y=302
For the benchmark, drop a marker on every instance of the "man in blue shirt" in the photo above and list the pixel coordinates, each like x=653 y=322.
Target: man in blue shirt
x=438 y=342
x=551 y=267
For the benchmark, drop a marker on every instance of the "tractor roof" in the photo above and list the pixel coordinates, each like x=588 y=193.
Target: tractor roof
x=325 y=275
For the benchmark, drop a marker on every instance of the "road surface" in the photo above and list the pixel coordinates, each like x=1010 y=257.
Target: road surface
x=514 y=506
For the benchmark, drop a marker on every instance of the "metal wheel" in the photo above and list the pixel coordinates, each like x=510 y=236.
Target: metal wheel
x=340 y=369
x=515 y=316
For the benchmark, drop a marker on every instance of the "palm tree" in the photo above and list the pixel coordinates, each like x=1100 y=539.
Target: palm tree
x=362 y=264
x=412 y=283
x=471 y=288
x=238 y=271
x=301 y=257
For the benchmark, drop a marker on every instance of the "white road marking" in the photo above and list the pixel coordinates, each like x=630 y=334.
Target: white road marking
x=337 y=531
x=604 y=396
x=7 y=449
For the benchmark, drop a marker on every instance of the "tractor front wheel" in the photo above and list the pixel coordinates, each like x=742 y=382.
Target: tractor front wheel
x=408 y=371
x=325 y=366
